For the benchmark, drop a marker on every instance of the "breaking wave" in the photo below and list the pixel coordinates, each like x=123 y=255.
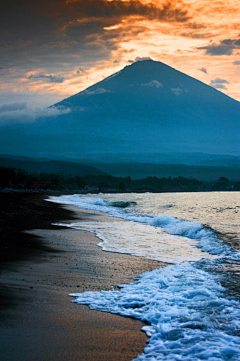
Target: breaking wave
x=208 y=240
x=188 y=316
x=187 y=313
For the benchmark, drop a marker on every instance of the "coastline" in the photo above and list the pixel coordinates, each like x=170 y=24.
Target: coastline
x=38 y=320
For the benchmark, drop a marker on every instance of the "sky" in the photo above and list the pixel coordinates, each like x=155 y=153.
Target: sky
x=52 y=49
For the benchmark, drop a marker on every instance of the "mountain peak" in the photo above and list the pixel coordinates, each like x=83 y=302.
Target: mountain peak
x=153 y=79
x=146 y=109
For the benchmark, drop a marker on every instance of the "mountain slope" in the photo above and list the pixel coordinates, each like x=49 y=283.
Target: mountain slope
x=145 y=109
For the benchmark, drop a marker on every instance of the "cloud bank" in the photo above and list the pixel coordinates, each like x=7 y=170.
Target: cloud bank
x=225 y=47
x=13 y=113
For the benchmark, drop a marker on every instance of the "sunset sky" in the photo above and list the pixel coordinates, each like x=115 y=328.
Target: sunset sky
x=51 y=49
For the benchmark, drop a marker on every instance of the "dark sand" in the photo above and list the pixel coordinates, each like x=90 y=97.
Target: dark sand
x=38 y=321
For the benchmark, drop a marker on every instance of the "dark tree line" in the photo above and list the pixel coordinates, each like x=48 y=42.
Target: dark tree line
x=20 y=179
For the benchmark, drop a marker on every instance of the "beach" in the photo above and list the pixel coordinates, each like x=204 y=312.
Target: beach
x=40 y=265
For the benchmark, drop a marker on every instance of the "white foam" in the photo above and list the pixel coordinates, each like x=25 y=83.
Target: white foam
x=207 y=240
x=189 y=317
x=143 y=240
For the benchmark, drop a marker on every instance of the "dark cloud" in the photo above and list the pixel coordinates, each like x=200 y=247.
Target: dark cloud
x=58 y=44
x=80 y=71
x=57 y=35
x=232 y=42
x=196 y=26
x=219 y=83
x=44 y=20
x=142 y=58
x=196 y=35
x=225 y=47
x=47 y=78
x=237 y=62
x=118 y=9
x=204 y=70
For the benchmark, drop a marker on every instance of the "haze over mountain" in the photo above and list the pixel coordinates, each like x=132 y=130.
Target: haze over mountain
x=144 y=113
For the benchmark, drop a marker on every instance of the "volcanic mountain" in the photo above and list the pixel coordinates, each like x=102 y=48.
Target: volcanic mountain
x=144 y=110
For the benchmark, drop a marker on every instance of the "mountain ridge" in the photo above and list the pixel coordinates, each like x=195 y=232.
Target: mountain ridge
x=143 y=62
x=50 y=166
x=145 y=109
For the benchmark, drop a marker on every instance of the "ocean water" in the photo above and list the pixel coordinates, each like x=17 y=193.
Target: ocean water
x=191 y=307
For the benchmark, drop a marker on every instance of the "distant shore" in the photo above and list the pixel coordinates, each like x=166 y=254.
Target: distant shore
x=40 y=267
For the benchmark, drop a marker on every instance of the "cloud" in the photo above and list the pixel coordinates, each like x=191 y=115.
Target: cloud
x=218 y=86
x=143 y=58
x=96 y=91
x=100 y=25
x=9 y=107
x=48 y=78
x=177 y=91
x=56 y=34
x=58 y=44
x=154 y=83
x=13 y=113
x=204 y=70
x=139 y=58
x=237 y=62
x=196 y=26
x=219 y=83
x=80 y=71
x=61 y=35
x=225 y=47
x=196 y=35
x=119 y=9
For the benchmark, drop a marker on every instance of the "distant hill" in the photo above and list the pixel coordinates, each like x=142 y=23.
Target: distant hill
x=51 y=167
x=144 y=170
x=133 y=170
x=145 y=110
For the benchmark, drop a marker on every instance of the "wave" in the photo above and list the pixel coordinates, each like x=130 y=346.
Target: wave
x=122 y=204
x=189 y=318
x=208 y=240
x=187 y=313
x=206 y=237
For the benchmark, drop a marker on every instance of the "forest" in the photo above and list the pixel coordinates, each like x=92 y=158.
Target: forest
x=18 y=179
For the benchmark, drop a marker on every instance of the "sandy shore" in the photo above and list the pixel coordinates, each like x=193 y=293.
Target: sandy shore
x=38 y=320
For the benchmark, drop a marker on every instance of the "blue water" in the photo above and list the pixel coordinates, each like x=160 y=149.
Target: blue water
x=188 y=312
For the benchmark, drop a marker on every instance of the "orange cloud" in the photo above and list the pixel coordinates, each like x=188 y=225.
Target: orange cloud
x=100 y=36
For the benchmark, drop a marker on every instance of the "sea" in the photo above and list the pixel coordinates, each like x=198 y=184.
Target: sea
x=191 y=307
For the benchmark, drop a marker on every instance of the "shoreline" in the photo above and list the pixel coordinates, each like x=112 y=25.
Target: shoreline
x=38 y=320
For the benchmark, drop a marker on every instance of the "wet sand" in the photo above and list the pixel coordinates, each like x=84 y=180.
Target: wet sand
x=38 y=321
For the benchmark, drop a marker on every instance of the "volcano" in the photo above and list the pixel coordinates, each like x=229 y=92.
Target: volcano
x=144 y=110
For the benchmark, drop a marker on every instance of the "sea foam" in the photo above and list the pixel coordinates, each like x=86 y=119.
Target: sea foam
x=206 y=237
x=187 y=315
